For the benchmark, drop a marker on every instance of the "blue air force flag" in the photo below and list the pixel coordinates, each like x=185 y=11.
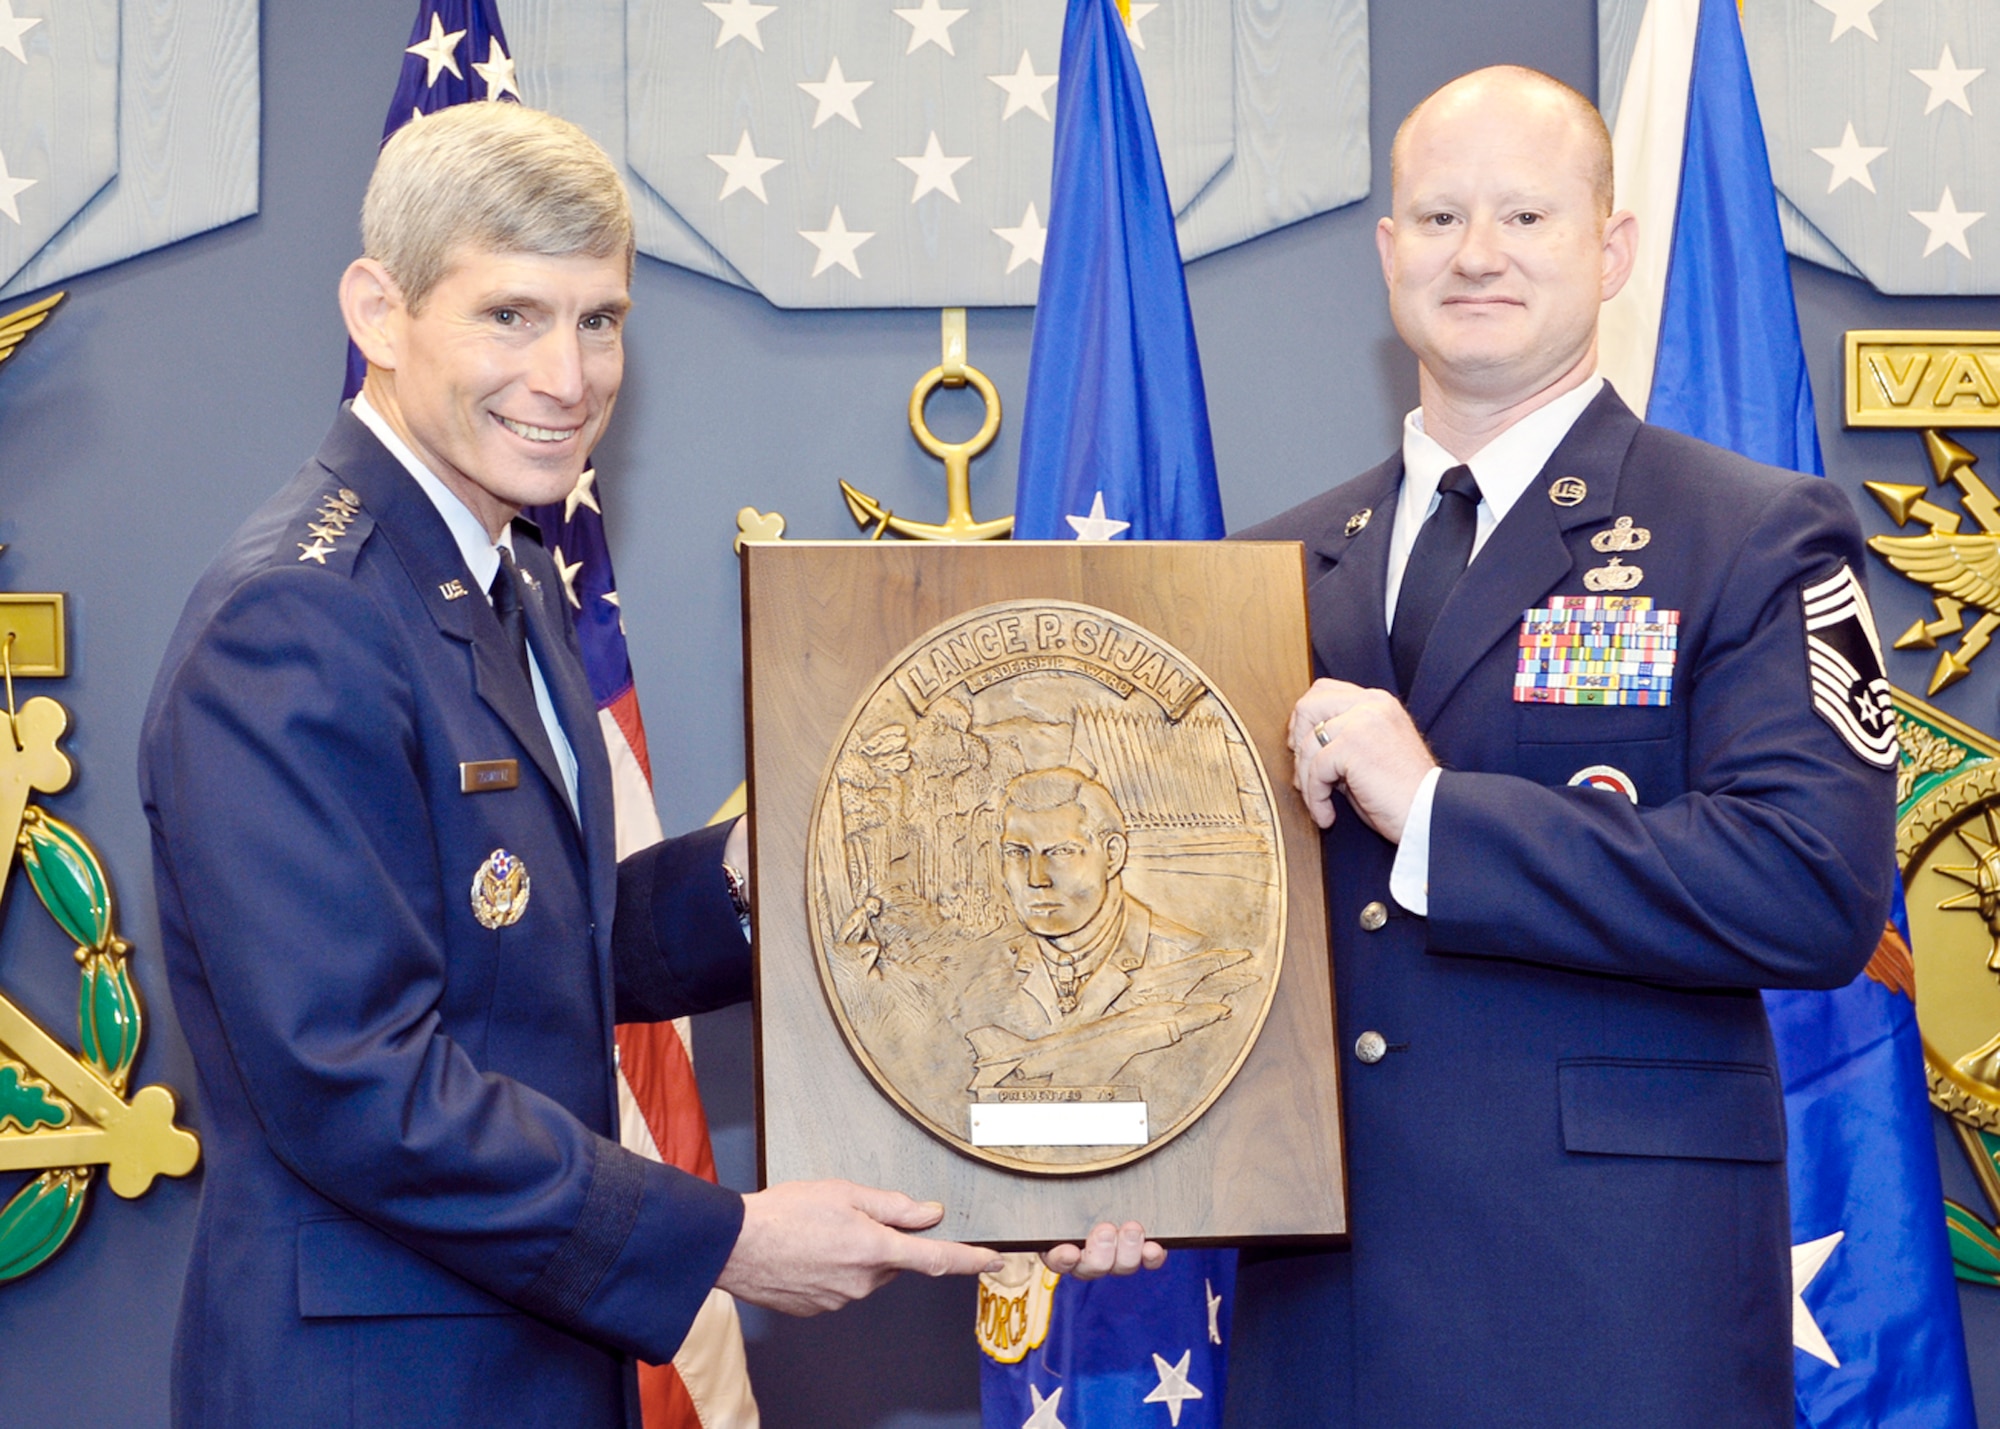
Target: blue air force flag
x=1115 y=438
x=1707 y=339
x=1114 y=445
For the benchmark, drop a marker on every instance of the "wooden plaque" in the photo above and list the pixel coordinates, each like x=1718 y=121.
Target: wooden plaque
x=1040 y=929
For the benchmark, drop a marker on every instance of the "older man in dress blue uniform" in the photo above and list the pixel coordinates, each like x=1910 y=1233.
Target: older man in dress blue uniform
x=1583 y=797
x=397 y=932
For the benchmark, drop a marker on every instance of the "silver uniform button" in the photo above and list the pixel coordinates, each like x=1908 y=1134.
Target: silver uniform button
x=1373 y=916
x=1371 y=1047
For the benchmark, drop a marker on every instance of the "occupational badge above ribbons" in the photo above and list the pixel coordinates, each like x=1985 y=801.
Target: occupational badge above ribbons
x=1027 y=918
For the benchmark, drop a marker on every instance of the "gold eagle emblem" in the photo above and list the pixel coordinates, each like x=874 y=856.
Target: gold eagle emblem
x=1962 y=568
x=15 y=326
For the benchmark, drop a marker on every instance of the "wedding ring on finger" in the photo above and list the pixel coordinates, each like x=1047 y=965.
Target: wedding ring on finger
x=1319 y=733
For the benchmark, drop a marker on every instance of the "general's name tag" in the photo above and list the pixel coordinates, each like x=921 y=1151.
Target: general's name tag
x=486 y=776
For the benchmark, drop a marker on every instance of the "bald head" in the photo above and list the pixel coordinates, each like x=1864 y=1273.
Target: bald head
x=1509 y=86
x=1499 y=248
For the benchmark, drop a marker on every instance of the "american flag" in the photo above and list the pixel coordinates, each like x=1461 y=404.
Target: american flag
x=458 y=54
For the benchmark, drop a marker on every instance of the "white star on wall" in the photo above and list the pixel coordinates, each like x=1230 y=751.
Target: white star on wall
x=498 y=72
x=1099 y=527
x=836 y=95
x=930 y=25
x=1806 y=1262
x=1044 y=1416
x=12 y=29
x=836 y=244
x=744 y=170
x=1214 y=1313
x=9 y=186
x=1850 y=159
x=1850 y=15
x=740 y=20
x=1025 y=89
x=934 y=169
x=610 y=598
x=567 y=570
x=437 y=52
x=582 y=495
x=1138 y=13
x=1029 y=240
x=1947 y=225
x=1173 y=1386
x=1947 y=82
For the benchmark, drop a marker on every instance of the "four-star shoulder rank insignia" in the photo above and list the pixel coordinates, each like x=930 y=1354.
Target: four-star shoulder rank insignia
x=336 y=513
x=1962 y=568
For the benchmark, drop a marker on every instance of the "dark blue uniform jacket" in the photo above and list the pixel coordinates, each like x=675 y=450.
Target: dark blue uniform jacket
x=1567 y=1175
x=414 y=1208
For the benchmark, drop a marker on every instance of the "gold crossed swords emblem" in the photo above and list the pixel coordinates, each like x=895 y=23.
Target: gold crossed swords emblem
x=76 y=1113
x=1962 y=568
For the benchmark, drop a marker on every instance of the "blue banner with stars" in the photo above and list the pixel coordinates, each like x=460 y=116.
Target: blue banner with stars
x=1875 y=1325
x=1115 y=439
x=1115 y=445
x=1143 y=1352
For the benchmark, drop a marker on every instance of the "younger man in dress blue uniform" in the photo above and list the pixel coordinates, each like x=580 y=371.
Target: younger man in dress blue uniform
x=1583 y=798
x=396 y=929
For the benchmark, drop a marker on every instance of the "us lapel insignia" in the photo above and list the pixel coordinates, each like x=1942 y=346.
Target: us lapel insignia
x=1844 y=664
x=1604 y=776
x=1568 y=490
x=500 y=890
x=453 y=589
x=1614 y=576
x=1597 y=650
x=1623 y=536
x=1358 y=522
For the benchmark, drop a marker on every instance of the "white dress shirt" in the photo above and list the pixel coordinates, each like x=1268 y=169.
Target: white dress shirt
x=482 y=559
x=1504 y=468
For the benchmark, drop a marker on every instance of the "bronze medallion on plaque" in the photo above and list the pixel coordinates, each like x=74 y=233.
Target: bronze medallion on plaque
x=1046 y=886
x=1035 y=935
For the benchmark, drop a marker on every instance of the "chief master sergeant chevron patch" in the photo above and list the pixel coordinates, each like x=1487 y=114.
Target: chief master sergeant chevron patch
x=1844 y=661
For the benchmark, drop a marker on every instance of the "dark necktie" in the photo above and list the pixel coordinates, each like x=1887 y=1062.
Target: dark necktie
x=1437 y=560
x=506 y=594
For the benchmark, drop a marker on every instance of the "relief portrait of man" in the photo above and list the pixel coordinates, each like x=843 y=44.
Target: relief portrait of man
x=1099 y=977
x=1048 y=874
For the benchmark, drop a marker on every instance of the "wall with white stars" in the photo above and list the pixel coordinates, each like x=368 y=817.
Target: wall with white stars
x=174 y=391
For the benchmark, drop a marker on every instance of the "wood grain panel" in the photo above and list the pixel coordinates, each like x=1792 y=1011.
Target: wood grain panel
x=822 y=621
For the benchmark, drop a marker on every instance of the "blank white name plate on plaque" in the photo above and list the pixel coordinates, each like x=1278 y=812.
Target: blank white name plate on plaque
x=1059 y=1123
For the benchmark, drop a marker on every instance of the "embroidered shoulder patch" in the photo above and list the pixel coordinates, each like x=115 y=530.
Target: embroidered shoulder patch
x=1844 y=662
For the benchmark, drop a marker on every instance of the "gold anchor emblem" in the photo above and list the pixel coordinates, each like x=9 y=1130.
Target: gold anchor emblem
x=1962 y=568
x=959 y=524
x=63 y=1114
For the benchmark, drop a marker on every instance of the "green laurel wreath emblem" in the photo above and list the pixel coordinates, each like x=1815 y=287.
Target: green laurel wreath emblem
x=69 y=880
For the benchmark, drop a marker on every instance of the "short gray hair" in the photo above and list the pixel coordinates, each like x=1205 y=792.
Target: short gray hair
x=495 y=178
